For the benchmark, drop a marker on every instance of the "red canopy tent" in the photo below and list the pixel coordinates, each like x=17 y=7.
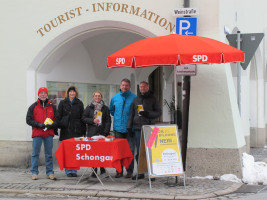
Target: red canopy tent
x=173 y=50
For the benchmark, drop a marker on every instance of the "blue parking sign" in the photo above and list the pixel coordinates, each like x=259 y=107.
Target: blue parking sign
x=186 y=25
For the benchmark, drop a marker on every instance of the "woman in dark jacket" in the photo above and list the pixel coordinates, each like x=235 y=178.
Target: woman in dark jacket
x=97 y=117
x=69 y=115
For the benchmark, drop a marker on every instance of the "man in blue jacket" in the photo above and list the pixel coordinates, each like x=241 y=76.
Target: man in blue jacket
x=120 y=106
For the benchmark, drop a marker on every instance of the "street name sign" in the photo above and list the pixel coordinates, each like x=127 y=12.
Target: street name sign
x=185 y=11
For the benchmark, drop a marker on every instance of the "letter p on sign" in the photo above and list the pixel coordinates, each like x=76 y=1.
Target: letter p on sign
x=186 y=25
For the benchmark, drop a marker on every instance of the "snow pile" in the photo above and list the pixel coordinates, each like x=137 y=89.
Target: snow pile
x=254 y=172
x=230 y=177
x=200 y=177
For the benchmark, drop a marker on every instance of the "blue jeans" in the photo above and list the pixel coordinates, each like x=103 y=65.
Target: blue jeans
x=36 y=147
x=68 y=171
x=131 y=144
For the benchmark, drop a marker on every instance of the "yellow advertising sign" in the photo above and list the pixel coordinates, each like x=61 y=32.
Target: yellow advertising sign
x=166 y=139
x=165 y=151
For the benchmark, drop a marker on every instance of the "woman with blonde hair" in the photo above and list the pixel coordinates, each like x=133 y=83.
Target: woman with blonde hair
x=69 y=115
x=97 y=117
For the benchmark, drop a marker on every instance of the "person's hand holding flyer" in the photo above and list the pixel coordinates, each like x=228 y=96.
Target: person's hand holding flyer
x=99 y=117
x=140 y=108
x=48 y=121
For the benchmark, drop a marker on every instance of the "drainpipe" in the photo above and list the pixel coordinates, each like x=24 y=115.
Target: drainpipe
x=186 y=3
x=186 y=100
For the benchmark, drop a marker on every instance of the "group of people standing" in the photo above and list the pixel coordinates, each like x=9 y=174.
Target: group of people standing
x=72 y=119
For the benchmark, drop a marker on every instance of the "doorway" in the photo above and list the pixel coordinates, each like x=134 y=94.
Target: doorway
x=155 y=84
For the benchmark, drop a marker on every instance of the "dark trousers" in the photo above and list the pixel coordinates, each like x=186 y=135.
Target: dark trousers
x=131 y=144
x=137 y=137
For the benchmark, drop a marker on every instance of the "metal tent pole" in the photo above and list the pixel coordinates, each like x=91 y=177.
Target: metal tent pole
x=238 y=41
x=175 y=93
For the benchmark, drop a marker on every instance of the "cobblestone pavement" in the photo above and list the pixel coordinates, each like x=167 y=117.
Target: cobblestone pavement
x=16 y=183
x=259 y=154
x=14 y=180
x=30 y=196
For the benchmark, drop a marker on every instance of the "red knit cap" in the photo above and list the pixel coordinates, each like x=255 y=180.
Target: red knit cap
x=42 y=89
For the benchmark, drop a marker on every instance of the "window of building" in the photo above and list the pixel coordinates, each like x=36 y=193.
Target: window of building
x=57 y=91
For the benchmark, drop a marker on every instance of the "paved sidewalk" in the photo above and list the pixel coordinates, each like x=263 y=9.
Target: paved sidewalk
x=14 y=180
x=18 y=181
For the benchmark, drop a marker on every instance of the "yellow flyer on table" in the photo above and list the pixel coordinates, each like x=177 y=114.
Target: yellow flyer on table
x=165 y=152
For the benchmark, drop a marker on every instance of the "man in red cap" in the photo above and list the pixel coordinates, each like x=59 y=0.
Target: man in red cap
x=37 y=113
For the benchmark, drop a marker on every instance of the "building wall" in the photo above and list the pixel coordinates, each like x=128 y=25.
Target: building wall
x=32 y=52
x=24 y=49
x=244 y=16
x=213 y=97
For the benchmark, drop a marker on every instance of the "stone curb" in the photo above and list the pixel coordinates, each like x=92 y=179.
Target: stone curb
x=49 y=192
x=133 y=195
x=231 y=189
x=202 y=196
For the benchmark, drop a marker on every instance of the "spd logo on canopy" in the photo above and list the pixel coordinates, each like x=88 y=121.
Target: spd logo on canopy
x=200 y=58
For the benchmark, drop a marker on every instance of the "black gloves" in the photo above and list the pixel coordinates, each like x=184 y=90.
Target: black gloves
x=52 y=126
x=130 y=132
x=41 y=125
x=48 y=126
x=144 y=113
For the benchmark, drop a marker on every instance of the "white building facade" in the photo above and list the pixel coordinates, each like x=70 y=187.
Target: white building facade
x=57 y=43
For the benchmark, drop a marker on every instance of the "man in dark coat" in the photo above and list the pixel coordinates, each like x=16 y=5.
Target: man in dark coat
x=149 y=109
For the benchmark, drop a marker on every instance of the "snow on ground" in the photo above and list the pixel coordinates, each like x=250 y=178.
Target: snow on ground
x=200 y=177
x=254 y=172
x=230 y=177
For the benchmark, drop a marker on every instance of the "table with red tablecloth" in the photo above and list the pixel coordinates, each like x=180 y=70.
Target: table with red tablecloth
x=73 y=154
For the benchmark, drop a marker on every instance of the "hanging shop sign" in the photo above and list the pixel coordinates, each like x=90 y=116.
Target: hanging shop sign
x=186 y=70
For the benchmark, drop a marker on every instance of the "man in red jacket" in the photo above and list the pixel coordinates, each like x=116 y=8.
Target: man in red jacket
x=37 y=113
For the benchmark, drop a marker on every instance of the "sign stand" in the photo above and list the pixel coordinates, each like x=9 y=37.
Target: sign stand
x=98 y=177
x=176 y=182
x=159 y=153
